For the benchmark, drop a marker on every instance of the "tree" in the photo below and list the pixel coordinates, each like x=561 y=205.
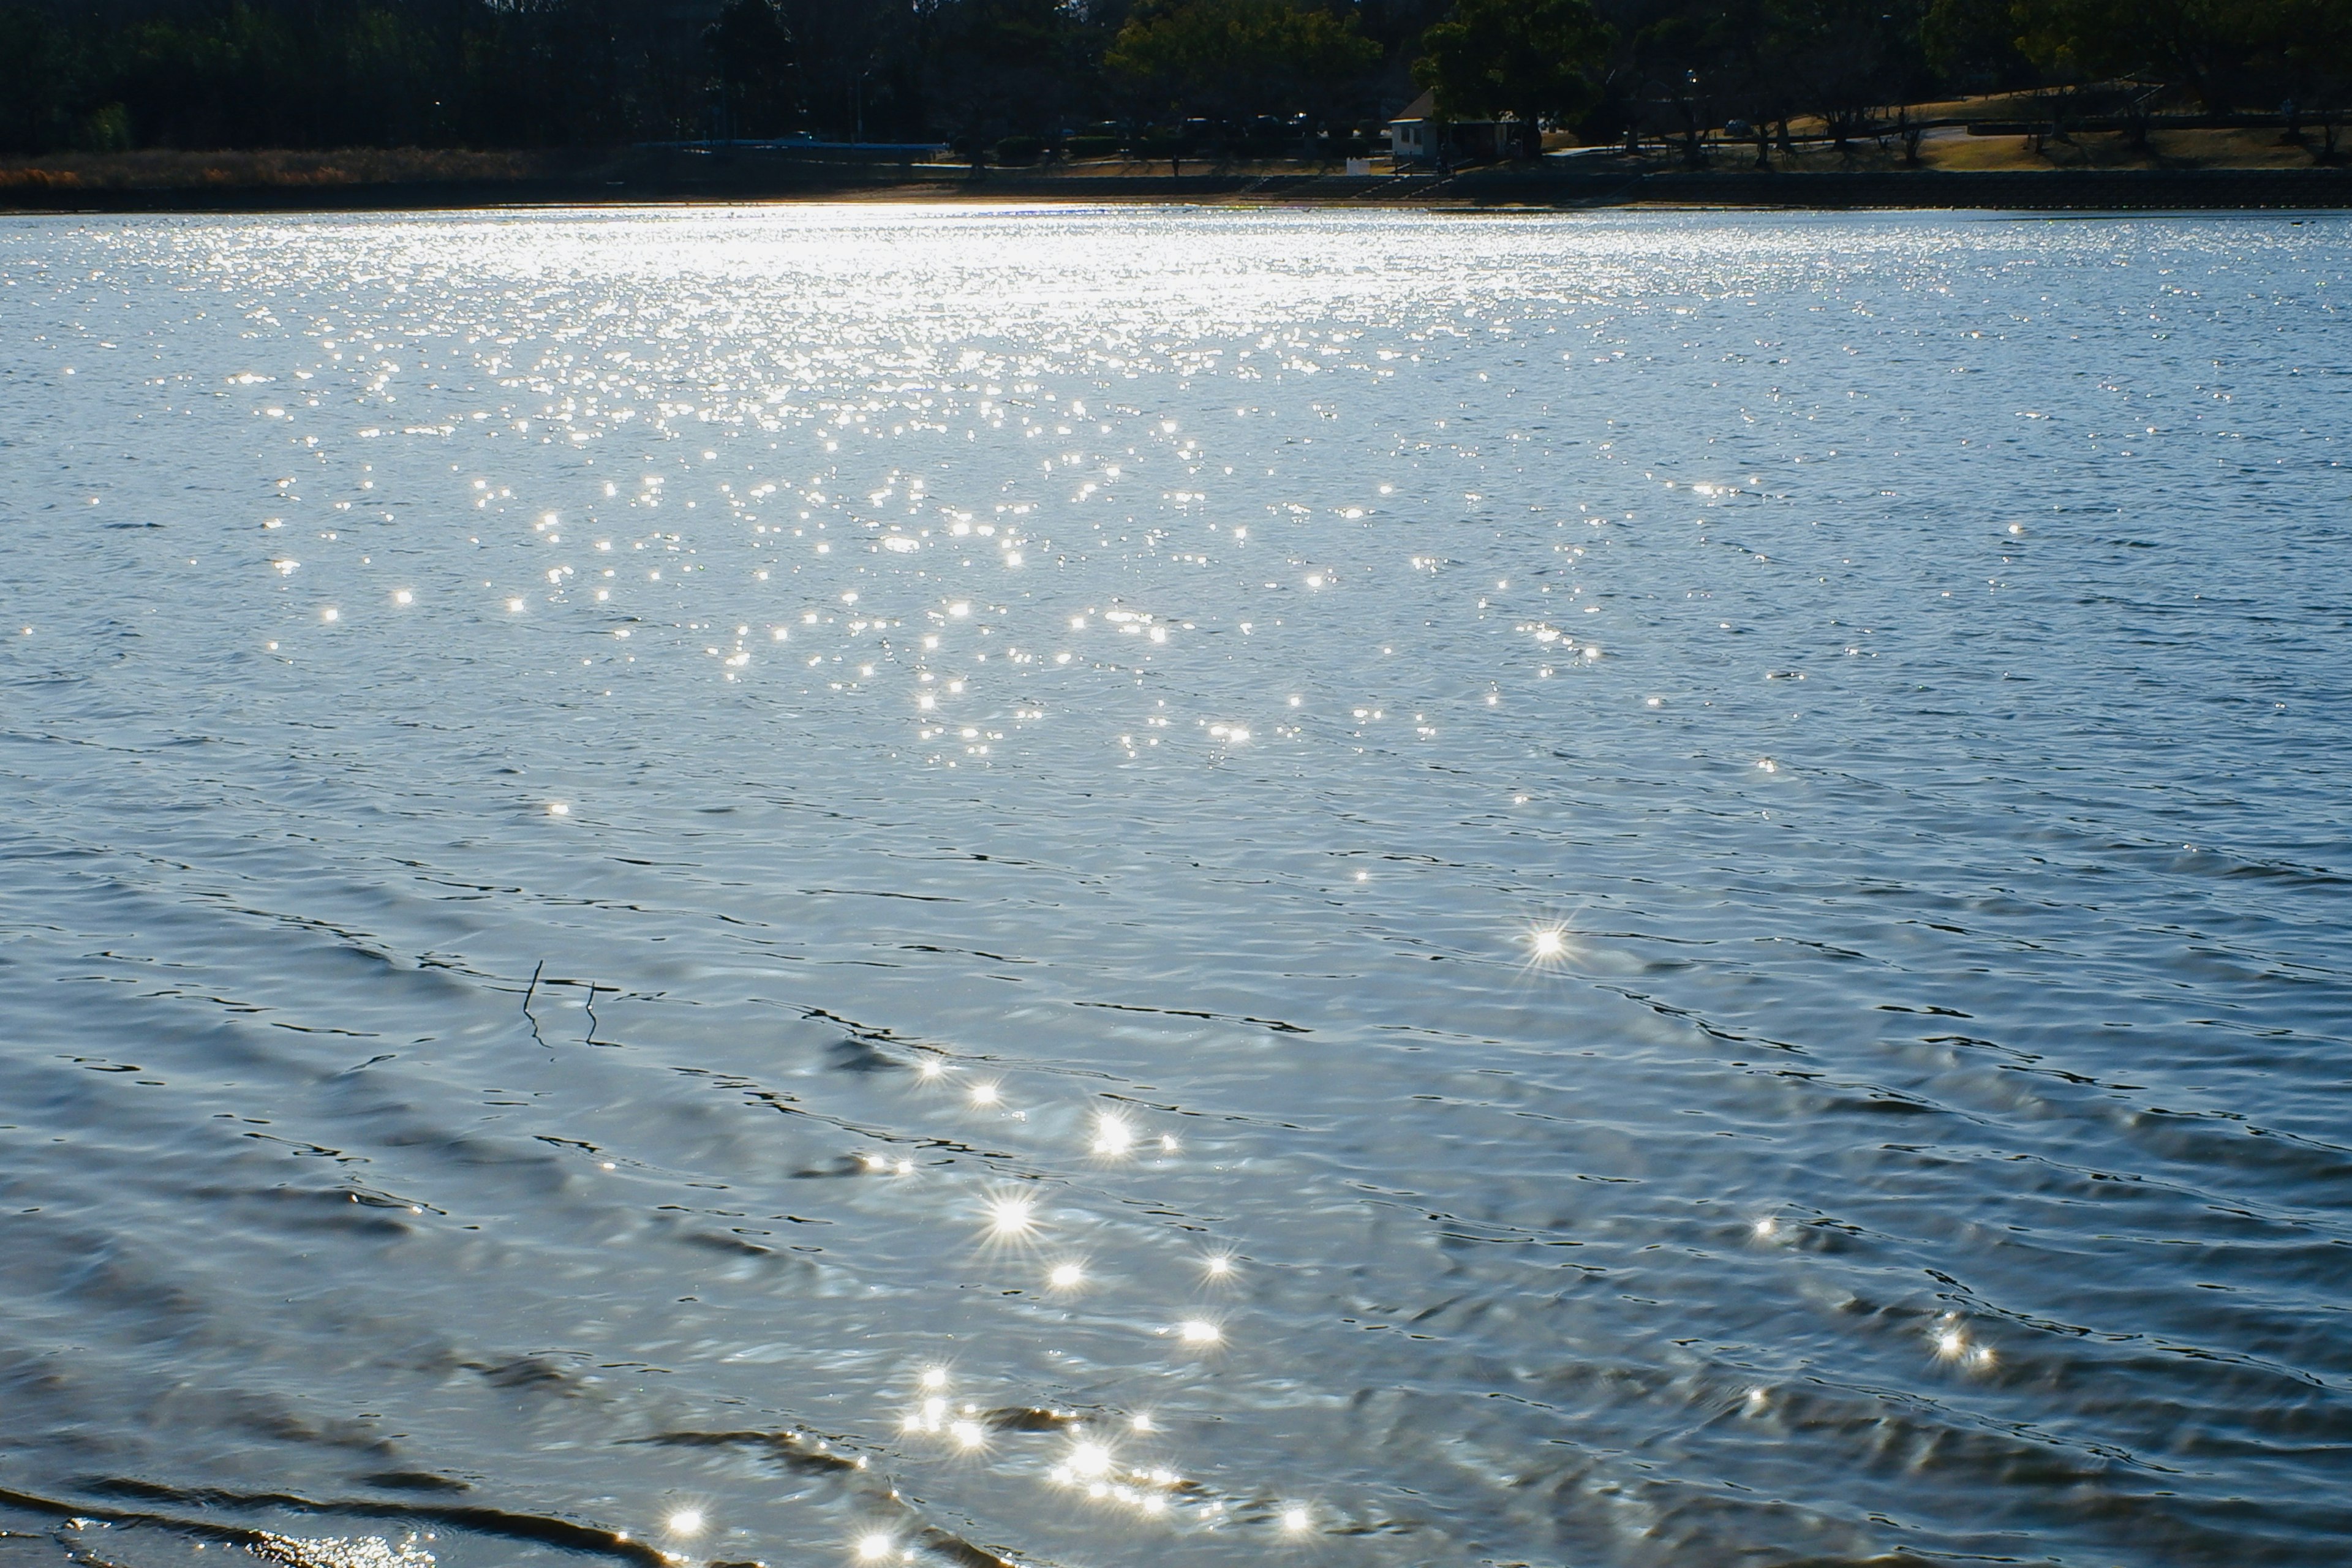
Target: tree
x=40 y=66
x=2305 y=54
x=1000 y=66
x=1682 y=60
x=860 y=68
x=1754 y=75
x=751 y=50
x=1533 y=60
x=1972 y=43
x=2192 y=44
x=1228 y=59
x=1848 y=59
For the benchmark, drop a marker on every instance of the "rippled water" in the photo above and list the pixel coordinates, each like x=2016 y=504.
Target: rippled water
x=1164 y=888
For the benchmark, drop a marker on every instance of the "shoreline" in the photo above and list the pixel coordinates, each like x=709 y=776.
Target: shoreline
x=2068 y=189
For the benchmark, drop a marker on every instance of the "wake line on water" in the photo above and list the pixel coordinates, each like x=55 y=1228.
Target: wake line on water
x=481 y=1521
x=797 y=1450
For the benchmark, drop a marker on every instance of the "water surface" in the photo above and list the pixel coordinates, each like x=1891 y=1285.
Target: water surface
x=821 y=885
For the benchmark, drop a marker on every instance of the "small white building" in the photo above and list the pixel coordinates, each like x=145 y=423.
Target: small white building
x=1417 y=136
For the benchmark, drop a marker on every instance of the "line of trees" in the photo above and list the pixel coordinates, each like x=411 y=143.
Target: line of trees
x=1682 y=69
x=114 y=74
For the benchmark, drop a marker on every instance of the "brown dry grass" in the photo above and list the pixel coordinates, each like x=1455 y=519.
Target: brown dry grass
x=2113 y=149
x=1953 y=148
x=1945 y=148
x=164 y=169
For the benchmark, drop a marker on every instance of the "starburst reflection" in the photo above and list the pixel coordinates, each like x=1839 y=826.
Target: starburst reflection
x=1091 y=1465
x=1113 y=1135
x=1011 y=1216
x=1951 y=1342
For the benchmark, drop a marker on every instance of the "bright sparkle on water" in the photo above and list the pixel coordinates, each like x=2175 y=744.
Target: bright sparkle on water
x=1011 y=1217
x=1113 y=1135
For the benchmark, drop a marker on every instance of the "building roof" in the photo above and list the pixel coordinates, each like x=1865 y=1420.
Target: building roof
x=1425 y=108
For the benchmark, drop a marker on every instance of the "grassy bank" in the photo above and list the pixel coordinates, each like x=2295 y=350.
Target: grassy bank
x=1954 y=148
x=161 y=169
x=2170 y=167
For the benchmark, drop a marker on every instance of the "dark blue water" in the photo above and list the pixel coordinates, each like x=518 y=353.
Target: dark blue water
x=816 y=886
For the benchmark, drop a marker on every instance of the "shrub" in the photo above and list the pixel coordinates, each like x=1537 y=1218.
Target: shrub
x=1019 y=150
x=106 y=130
